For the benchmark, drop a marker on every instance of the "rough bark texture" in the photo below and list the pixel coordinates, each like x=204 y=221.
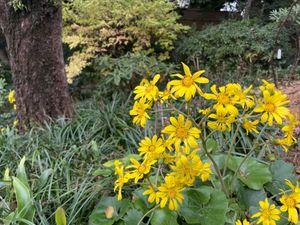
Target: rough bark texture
x=34 y=43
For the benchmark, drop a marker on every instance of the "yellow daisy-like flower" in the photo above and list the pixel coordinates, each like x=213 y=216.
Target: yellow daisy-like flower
x=204 y=111
x=285 y=143
x=187 y=85
x=182 y=132
x=151 y=148
x=140 y=169
x=290 y=203
x=242 y=97
x=186 y=169
x=153 y=196
x=294 y=188
x=250 y=126
x=267 y=86
x=245 y=222
x=223 y=120
x=11 y=97
x=122 y=178
x=205 y=171
x=225 y=99
x=168 y=159
x=170 y=192
x=139 y=112
x=272 y=107
x=268 y=214
x=147 y=89
x=166 y=94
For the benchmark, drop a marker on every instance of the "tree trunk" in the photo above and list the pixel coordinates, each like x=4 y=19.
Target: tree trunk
x=34 y=42
x=247 y=9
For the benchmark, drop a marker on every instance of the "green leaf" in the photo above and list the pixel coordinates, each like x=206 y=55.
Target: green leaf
x=108 y=211
x=193 y=202
x=103 y=172
x=140 y=201
x=60 y=216
x=21 y=172
x=164 y=217
x=252 y=173
x=214 y=213
x=212 y=145
x=280 y=171
x=248 y=197
x=25 y=206
x=205 y=207
x=132 y=217
x=44 y=178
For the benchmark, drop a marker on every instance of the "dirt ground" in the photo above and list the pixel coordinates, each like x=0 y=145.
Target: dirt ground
x=293 y=91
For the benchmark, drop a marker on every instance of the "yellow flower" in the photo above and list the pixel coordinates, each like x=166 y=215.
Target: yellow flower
x=147 y=89
x=182 y=132
x=151 y=149
x=268 y=214
x=168 y=159
x=272 y=107
x=285 y=142
x=140 y=169
x=186 y=169
x=223 y=120
x=250 y=126
x=139 y=112
x=225 y=99
x=122 y=178
x=2 y=130
x=290 y=203
x=170 y=192
x=15 y=122
x=205 y=171
x=294 y=188
x=245 y=222
x=241 y=96
x=267 y=86
x=15 y=107
x=166 y=94
x=204 y=111
x=152 y=195
x=187 y=85
x=11 y=97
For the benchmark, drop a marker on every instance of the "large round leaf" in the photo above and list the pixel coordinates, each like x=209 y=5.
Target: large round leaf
x=108 y=211
x=252 y=173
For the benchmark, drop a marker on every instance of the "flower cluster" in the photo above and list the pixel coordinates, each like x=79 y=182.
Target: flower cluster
x=269 y=214
x=173 y=159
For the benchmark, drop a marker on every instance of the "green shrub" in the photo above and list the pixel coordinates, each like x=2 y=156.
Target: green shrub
x=238 y=51
x=108 y=75
x=93 y=27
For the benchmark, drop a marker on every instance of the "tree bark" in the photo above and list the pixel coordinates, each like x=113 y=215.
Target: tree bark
x=34 y=42
x=247 y=9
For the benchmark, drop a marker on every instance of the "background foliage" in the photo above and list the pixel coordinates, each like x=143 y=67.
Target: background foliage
x=139 y=26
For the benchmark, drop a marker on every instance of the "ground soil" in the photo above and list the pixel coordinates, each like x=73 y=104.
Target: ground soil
x=293 y=92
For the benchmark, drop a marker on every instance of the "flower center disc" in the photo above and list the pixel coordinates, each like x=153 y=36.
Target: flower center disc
x=141 y=169
x=181 y=132
x=151 y=148
x=172 y=194
x=223 y=99
x=149 y=88
x=270 y=107
x=247 y=125
x=187 y=81
x=290 y=202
